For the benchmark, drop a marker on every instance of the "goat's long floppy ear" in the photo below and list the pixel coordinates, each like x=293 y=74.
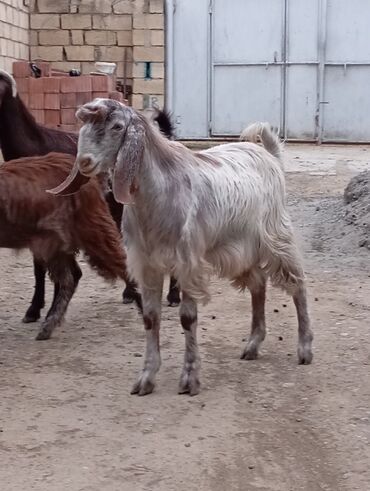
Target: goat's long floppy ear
x=71 y=184
x=128 y=159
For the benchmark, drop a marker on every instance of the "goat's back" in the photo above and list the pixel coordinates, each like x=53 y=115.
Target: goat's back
x=23 y=185
x=31 y=217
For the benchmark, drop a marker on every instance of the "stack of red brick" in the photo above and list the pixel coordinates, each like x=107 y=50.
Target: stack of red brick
x=54 y=97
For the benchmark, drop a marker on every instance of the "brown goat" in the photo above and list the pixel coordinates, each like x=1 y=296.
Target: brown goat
x=56 y=229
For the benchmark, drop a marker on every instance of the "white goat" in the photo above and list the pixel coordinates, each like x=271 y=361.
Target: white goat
x=194 y=213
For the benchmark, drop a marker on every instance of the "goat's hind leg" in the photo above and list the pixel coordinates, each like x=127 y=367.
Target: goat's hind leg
x=38 y=300
x=256 y=283
x=151 y=299
x=189 y=380
x=65 y=273
x=291 y=279
x=305 y=335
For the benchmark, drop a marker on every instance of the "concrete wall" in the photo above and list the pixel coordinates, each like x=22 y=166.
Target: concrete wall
x=76 y=33
x=14 y=34
x=148 y=48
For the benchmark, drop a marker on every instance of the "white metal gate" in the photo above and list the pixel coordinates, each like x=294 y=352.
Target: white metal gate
x=302 y=65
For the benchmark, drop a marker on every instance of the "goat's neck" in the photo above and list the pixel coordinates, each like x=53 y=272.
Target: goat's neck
x=161 y=179
x=19 y=133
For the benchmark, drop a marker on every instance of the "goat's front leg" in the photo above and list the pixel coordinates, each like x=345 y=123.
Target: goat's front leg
x=38 y=300
x=189 y=380
x=151 y=298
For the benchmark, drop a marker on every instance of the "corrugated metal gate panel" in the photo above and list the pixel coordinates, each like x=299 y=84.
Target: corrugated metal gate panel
x=301 y=103
x=346 y=115
x=190 y=78
x=247 y=32
x=245 y=84
x=303 y=66
x=301 y=91
x=256 y=96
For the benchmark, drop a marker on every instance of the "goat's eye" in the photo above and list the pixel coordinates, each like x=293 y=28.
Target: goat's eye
x=117 y=127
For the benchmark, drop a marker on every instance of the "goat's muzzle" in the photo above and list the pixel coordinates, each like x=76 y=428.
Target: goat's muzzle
x=86 y=165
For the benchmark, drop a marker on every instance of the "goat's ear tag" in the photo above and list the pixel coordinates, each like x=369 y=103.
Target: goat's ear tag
x=71 y=185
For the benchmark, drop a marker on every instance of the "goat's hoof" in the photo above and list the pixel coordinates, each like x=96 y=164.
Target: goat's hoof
x=305 y=355
x=173 y=304
x=126 y=299
x=250 y=353
x=43 y=335
x=31 y=316
x=189 y=384
x=173 y=297
x=143 y=386
x=173 y=301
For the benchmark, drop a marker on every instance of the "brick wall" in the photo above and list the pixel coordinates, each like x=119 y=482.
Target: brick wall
x=148 y=53
x=76 y=33
x=14 y=35
x=54 y=97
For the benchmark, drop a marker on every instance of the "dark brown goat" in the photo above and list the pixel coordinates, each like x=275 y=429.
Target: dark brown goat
x=21 y=136
x=55 y=229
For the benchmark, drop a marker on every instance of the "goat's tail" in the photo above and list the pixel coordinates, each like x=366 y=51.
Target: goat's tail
x=269 y=138
x=163 y=119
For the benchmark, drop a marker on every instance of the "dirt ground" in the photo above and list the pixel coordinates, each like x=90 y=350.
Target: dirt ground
x=67 y=421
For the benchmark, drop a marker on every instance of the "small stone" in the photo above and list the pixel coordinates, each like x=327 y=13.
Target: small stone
x=250 y=401
x=138 y=355
x=213 y=317
x=298 y=420
x=276 y=310
x=187 y=445
x=280 y=338
x=318 y=208
x=251 y=467
x=316 y=299
x=284 y=304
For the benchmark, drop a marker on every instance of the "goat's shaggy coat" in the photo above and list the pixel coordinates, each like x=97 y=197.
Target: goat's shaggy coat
x=55 y=229
x=193 y=213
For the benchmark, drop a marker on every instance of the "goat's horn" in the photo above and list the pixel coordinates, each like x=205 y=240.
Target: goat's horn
x=71 y=184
